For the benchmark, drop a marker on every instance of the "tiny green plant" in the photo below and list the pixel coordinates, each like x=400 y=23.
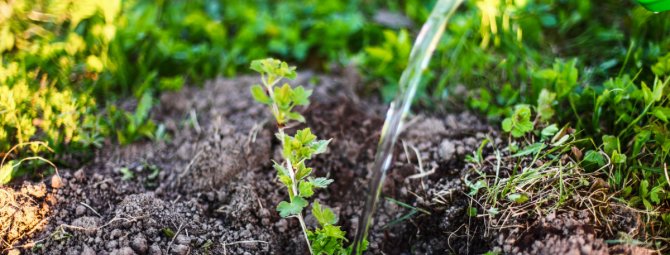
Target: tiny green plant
x=293 y=172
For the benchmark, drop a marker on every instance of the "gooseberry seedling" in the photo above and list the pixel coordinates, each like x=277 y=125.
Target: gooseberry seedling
x=293 y=172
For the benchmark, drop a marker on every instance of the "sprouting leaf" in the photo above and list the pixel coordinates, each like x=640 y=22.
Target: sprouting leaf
x=295 y=116
x=126 y=174
x=274 y=67
x=258 y=93
x=544 y=104
x=320 y=146
x=333 y=231
x=321 y=182
x=306 y=189
x=518 y=198
x=6 y=172
x=644 y=188
x=549 y=131
x=305 y=136
x=302 y=171
x=472 y=211
x=301 y=96
x=281 y=169
x=323 y=215
x=640 y=139
x=287 y=209
x=647 y=93
x=530 y=149
x=662 y=113
x=561 y=141
x=475 y=187
x=610 y=144
x=662 y=67
x=654 y=194
x=618 y=158
x=594 y=157
x=519 y=123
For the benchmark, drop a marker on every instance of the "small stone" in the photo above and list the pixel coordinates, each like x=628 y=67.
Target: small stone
x=87 y=251
x=447 y=149
x=111 y=244
x=115 y=233
x=14 y=252
x=80 y=210
x=126 y=251
x=180 y=249
x=155 y=250
x=79 y=175
x=182 y=239
x=139 y=244
x=56 y=182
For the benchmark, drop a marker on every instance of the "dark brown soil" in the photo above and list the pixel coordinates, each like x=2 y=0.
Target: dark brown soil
x=210 y=188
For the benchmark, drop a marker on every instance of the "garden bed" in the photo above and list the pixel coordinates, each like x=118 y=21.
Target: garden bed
x=210 y=187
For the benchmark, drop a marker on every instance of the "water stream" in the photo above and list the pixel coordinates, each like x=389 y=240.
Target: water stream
x=422 y=51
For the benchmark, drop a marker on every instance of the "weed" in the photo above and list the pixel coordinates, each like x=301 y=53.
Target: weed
x=294 y=173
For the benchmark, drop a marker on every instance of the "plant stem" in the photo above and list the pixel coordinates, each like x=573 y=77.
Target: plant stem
x=294 y=185
x=294 y=188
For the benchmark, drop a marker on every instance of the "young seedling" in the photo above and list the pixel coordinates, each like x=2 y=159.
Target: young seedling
x=293 y=172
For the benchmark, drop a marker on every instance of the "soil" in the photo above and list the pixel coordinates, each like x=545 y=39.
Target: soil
x=210 y=187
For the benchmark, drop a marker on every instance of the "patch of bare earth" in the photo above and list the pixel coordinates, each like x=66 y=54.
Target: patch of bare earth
x=210 y=188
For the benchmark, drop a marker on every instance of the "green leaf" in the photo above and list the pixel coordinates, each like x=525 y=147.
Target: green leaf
x=644 y=188
x=301 y=96
x=618 y=158
x=518 y=198
x=302 y=171
x=283 y=96
x=530 y=149
x=333 y=231
x=321 y=182
x=610 y=144
x=647 y=205
x=594 y=157
x=295 y=116
x=647 y=94
x=306 y=189
x=507 y=124
x=143 y=108
x=258 y=93
x=561 y=141
x=662 y=113
x=287 y=209
x=323 y=215
x=519 y=123
x=472 y=211
x=305 y=136
x=549 y=131
x=654 y=194
x=127 y=174
x=544 y=104
x=281 y=169
x=320 y=146
x=6 y=172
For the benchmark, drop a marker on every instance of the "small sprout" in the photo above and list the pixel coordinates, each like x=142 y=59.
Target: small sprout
x=519 y=123
x=126 y=174
x=297 y=150
x=168 y=232
x=518 y=198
